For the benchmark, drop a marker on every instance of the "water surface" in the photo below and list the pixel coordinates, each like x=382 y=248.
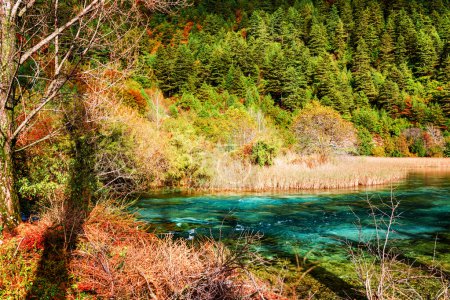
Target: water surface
x=316 y=225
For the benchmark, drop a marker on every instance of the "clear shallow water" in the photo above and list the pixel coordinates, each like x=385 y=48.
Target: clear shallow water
x=314 y=225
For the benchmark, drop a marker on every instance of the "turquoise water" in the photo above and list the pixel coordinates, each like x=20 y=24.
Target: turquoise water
x=316 y=225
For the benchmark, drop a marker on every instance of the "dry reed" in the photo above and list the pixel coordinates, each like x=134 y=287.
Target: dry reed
x=115 y=258
x=291 y=172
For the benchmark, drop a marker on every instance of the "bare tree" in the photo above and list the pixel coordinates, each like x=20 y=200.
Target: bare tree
x=42 y=44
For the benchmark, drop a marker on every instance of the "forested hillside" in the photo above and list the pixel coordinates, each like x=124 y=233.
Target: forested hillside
x=384 y=65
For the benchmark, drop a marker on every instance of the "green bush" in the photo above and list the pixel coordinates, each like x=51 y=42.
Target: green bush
x=447 y=147
x=365 y=142
x=263 y=153
x=418 y=148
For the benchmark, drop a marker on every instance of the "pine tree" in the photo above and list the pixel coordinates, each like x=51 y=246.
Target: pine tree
x=232 y=81
x=276 y=22
x=332 y=21
x=406 y=28
x=346 y=14
x=258 y=26
x=165 y=70
x=444 y=72
x=324 y=78
x=273 y=71
x=426 y=55
x=318 y=41
x=401 y=53
x=298 y=56
x=361 y=71
x=294 y=90
x=219 y=62
x=395 y=75
x=184 y=71
x=387 y=51
x=389 y=96
x=306 y=9
x=340 y=39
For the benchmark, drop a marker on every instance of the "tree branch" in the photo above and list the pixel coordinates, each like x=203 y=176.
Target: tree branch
x=47 y=137
x=27 y=7
x=14 y=10
x=50 y=95
x=94 y=4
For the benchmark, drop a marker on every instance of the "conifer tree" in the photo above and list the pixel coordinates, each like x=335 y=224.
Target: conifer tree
x=274 y=70
x=361 y=71
x=294 y=90
x=185 y=75
x=165 y=70
x=426 y=54
x=340 y=39
x=258 y=27
x=325 y=80
x=346 y=14
x=332 y=21
x=387 y=51
x=401 y=52
x=219 y=61
x=389 y=95
x=395 y=75
x=276 y=22
x=444 y=72
x=318 y=41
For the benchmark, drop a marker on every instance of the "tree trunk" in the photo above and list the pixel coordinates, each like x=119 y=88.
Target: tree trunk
x=9 y=202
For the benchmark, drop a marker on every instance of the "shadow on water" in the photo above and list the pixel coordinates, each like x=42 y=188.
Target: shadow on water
x=52 y=279
x=337 y=285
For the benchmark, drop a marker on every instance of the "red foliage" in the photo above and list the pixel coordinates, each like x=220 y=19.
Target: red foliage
x=247 y=149
x=42 y=128
x=139 y=100
x=199 y=27
x=111 y=73
x=156 y=47
x=238 y=16
x=244 y=33
x=187 y=30
x=20 y=38
x=408 y=107
x=86 y=287
x=33 y=236
x=428 y=139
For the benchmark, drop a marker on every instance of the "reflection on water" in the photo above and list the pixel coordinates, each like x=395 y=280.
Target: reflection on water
x=314 y=225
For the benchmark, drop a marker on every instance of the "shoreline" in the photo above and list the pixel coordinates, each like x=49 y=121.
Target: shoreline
x=340 y=174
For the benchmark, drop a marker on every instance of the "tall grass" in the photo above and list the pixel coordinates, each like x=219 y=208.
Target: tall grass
x=292 y=172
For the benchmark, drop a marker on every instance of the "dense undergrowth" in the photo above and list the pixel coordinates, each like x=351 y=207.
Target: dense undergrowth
x=114 y=257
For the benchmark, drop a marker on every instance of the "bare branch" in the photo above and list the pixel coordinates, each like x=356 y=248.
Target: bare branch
x=92 y=6
x=52 y=92
x=27 y=6
x=15 y=9
x=45 y=138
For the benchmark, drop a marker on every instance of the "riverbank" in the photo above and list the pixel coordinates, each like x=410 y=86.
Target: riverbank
x=116 y=258
x=294 y=173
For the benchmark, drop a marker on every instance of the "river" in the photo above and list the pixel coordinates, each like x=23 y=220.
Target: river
x=318 y=226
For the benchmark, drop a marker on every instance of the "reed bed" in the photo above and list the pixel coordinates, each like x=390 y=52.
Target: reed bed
x=292 y=172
